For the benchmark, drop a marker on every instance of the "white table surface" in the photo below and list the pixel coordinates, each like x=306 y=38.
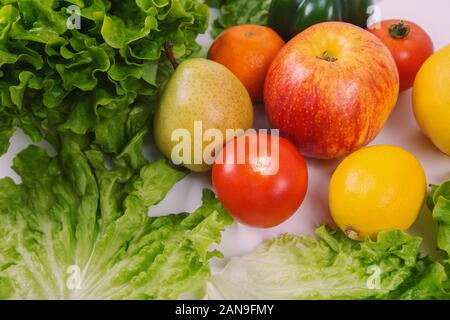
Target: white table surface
x=401 y=130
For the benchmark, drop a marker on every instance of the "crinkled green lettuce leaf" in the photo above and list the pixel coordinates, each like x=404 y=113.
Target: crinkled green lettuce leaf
x=429 y=280
x=6 y=132
x=439 y=203
x=237 y=12
x=334 y=267
x=89 y=81
x=77 y=229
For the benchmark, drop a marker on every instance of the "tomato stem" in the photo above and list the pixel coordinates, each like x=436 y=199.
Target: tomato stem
x=170 y=55
x=327 y=57
x=399 y=30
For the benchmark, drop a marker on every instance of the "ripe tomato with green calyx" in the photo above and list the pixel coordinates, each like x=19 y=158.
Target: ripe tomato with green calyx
x=409 y=44
x=260 y=179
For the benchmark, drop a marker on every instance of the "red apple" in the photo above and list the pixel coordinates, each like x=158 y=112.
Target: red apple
x=331 y=89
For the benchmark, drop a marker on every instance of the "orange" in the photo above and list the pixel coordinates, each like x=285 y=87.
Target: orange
x=247 y=50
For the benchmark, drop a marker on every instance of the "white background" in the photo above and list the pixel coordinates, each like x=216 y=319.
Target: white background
x=401 y=130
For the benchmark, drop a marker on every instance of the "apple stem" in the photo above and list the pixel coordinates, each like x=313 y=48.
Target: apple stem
x=168 y=45
x=399 y=30
x=327 y=57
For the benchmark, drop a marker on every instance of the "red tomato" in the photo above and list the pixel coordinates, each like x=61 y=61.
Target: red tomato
x=410 y=45
x=260 y=189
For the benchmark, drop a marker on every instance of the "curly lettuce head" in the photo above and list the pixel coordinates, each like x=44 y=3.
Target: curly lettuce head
x=94 y=79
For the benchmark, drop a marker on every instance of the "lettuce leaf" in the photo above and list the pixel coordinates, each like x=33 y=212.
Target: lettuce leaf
x=439 y=203
x=89 y=81
x=75 y=229
x=334 y=267
x=236 y=12
x=429 y=280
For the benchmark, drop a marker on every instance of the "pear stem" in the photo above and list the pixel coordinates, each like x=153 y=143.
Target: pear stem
x=170 y=55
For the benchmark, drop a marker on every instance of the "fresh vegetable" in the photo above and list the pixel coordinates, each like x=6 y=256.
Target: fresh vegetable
x=431 y=99
x=290 y=17
x=200 y=102
x=331 y=89
x=334 y=267
x=77 y=225
x=377 y=188
x=73 y=232
x=247 y=50
x=237 y=12
x=260 y=179
x=95 y=80
x=439 y=203
x=409 y=44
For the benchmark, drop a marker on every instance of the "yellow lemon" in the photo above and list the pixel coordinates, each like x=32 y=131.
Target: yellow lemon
x=377 y=188
x=431 y=99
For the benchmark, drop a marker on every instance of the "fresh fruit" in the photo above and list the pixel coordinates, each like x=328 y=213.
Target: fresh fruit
x=200 y=92
x=331 y=89
x=290 y=17
x=409 y=44
x=431 y=99
x=247 y=50
x=375 y=189
x=264 y=188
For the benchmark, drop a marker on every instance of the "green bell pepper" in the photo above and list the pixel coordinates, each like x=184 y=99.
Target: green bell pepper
x=290 y=17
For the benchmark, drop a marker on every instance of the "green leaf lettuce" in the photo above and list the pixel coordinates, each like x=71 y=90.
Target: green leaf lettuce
x=439 y=203
x=75 y=229
x=334 y=267
x=237 y=12
x=53 y=78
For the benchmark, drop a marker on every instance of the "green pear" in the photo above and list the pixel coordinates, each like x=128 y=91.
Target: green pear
x=198 y=107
